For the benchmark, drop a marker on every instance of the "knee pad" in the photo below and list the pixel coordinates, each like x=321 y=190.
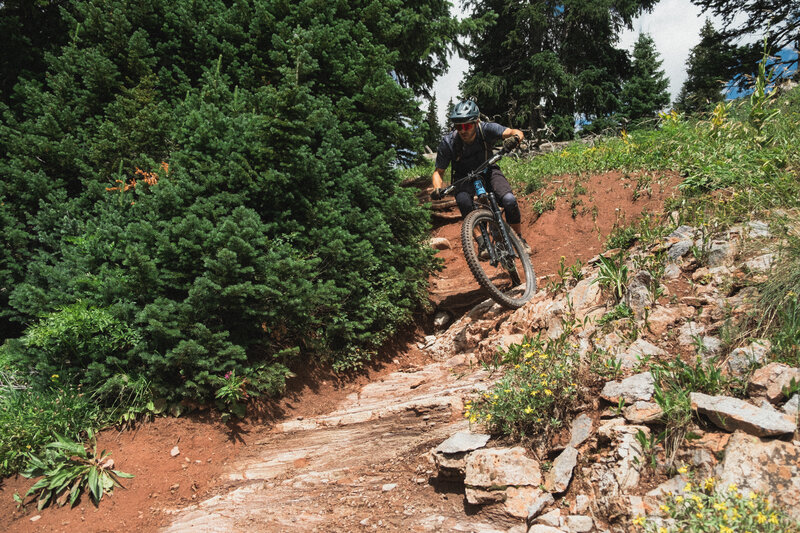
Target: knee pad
x=511 y=207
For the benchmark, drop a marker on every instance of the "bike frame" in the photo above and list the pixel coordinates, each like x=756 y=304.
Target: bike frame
x=476 y=177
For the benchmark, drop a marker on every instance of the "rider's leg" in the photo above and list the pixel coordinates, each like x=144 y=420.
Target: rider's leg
x=502 y=189
x=464 y=201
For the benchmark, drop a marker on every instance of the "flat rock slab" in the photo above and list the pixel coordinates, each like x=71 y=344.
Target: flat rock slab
x=637 y=387
x=502 y=467
x=558 y=478
x=463 y=441
x=732 y=414
x=771 y=467
x=580 y=431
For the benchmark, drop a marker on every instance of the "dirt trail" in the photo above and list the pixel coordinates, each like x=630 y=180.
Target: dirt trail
x=336 y=456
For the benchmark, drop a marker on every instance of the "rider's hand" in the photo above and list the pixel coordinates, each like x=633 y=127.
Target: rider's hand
x=509 y=143
x=437 y=194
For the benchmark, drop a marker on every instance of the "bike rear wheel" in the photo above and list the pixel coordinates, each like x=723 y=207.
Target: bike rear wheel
x=511 y=282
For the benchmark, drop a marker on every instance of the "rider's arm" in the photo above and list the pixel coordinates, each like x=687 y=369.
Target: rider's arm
x=438 y=178
x=508 y=132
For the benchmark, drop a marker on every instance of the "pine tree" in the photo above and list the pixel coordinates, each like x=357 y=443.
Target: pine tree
x=217 y=177
x=710 y=66
x=433 y=132
x=780 y=19
x=645 y=93
x=543 y=61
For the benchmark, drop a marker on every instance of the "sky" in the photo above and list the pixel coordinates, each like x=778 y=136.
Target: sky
x=674 y=25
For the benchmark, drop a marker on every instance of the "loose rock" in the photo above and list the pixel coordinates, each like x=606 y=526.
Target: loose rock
x=731 y=414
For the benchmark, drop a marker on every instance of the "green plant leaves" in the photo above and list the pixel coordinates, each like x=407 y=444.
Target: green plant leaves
x=67 y=469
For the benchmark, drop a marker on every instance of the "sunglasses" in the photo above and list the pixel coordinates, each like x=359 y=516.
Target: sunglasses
x=465 y=127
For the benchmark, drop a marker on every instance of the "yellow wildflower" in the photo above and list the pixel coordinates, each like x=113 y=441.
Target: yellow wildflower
x=687 y=488
x=664 y=508
x=761 y=518
x=773 y=518
x=678 y=499
x=528 y=410
x=548 y=392
x=709 y=484
x=683 y=469
x=638 y=521
x=732 y=487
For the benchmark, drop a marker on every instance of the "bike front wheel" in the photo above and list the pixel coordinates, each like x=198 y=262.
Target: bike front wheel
x=510 y=279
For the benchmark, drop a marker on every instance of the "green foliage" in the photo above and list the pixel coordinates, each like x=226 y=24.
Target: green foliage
x=645 y=93
x=779 y=302
x=68 y=469
x=720 y=152
x=709 y=67
x=529 y=62
x=536 y=391
x=613 y=275
x=618 y=312
x=231 y=395
x=674 y=381
x=777 y=20
x=30 y=418
x=77 y=342
x=191 y=190
x=701 y=506
x=433 y=131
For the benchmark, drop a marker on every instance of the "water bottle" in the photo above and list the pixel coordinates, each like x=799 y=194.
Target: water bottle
x=479 y=190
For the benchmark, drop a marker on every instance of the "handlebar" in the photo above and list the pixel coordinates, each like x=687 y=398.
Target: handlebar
x=473 y=174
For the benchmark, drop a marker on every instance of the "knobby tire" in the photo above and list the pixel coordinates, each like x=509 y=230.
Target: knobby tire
x=502 y=293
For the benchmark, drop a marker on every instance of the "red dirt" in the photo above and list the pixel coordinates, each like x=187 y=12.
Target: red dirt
x=206 y=444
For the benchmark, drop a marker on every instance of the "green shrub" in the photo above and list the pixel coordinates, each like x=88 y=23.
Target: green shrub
x=31 y=417
x=703 y=507
x=79 y=343
x=535 y=393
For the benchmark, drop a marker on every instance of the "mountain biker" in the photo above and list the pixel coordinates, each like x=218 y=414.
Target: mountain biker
x=467 y=147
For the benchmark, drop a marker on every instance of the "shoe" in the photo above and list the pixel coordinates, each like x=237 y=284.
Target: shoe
x=483 y=252
x=525 y=247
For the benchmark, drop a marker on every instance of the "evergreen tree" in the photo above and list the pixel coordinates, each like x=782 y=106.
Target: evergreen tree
x=535 y=62
x=30 y=28
x=780 y=19
x=217 y=178
x=645 y=93
x=710 y=67
x=433 y=131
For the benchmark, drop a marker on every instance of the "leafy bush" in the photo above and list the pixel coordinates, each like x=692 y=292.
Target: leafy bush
x=535 y=393
x=703 y=507
x=30 y=418
x=221 y=210
x=77 y=342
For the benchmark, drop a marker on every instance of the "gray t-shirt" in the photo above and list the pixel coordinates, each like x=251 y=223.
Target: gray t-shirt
x=472 y=155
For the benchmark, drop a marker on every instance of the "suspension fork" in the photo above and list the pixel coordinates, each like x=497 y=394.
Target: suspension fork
x=498 y=218
x=488 y=242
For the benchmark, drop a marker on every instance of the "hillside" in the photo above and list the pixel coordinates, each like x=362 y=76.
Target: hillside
x=698 y=299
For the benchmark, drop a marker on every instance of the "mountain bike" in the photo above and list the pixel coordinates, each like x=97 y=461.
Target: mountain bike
x=494 y=254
